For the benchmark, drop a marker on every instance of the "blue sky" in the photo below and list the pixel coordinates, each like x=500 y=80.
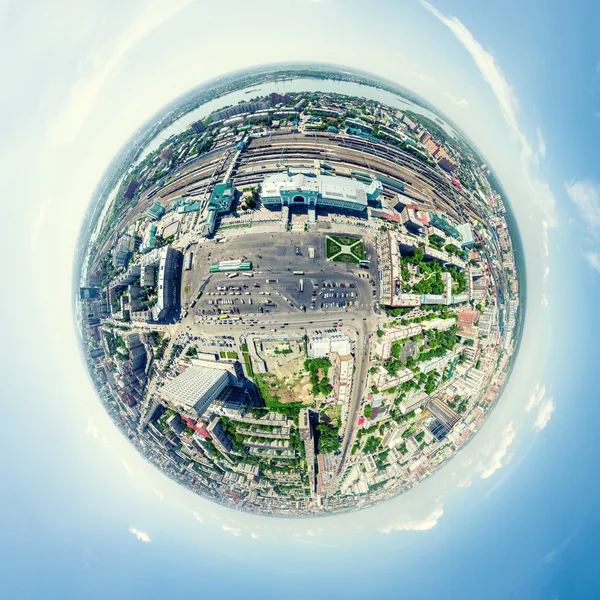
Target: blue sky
x=513 y=516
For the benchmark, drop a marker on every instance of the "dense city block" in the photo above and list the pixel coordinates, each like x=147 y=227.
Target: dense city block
x=304 y=303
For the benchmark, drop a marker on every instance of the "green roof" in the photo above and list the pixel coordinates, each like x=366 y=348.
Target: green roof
x=222 y=197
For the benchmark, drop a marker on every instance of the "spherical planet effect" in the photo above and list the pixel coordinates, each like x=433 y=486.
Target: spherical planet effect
x=299 y=290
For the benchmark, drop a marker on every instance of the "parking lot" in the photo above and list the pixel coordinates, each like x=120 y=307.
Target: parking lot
x=246 y=295
x=286 y=258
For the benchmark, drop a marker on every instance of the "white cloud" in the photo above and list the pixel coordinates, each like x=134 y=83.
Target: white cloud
x=128 y=468
x=593 y=259
x=539 y=190
x=494 y=453
x=541 y=143
x=158 y=493
x=91 y=429
x=545 y=202
x=420 y=76
x=140 y=535
x=554 y=553
x=585 y=195
x=544 y=415
x=311 y=533
x=236 y=531
x=254 y=535
x=458 y=101
x=544 y=301
x=539 y=391
x=491 y=73
x=546 y=273
x=83 y=93
x=198 y=517
x=424 y=523
x=465 y=482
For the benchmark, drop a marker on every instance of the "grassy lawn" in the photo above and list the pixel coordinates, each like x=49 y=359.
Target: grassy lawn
x=333 y=247
x=347 y=258
x=248 y=364
x=266 y=390
x=336 y=243
x=359 y=251
x=223 y=354
x=343 y=241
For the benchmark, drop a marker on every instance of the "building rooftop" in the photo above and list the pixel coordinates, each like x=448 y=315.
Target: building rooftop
x=273 y=184
x=341 y=188
x=193 y=384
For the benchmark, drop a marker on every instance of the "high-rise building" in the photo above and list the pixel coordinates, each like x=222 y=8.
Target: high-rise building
x=219 y=437
x=306 y=435
x=122 y=250
x=241 y=108
x=447 y=164
x=343 y=373
x=443 y=413
x=195 y=389
x=198 y=126
x=275 y=98
x=89 y=293
x=160 y=268
x=438 y=430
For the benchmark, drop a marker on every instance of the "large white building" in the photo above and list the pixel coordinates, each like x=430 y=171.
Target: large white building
x=283 y=189
x=160 y=269
x=320 y=346
x=195 y=389
x=343 y=374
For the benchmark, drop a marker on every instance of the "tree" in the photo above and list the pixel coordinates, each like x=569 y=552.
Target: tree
x=368 y=412
x=327 y=439
x=380 y=333
x=252 y=201
x=417 y=256
x=371 y=445
x=430 y=383
x=325 y=387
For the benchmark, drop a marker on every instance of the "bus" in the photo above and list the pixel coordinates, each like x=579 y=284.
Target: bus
x=301 y=285
x=298 y=272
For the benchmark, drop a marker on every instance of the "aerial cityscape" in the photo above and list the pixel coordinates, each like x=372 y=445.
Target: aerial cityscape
x=302 y=303
x=316 y=287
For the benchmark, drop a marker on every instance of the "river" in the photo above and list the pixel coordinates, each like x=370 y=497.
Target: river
x=347 y=88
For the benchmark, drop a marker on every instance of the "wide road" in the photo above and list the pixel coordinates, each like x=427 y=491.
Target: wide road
x=360 y=378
